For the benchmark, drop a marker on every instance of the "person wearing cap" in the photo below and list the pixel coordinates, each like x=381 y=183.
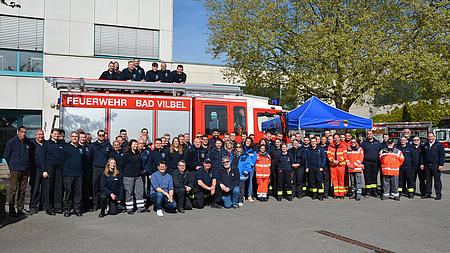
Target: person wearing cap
x=205 y=187
x=391 y=159
x=228 y=181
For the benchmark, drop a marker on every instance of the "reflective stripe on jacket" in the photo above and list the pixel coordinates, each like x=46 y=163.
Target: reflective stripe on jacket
x=355 y=159
x=391 y=161
x=339 y=153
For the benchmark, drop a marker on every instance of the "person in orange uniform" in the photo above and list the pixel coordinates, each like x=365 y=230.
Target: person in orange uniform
x=391 y=160
x=347 y=143
x=337 y=155
x=355 y=156
x=262 y=170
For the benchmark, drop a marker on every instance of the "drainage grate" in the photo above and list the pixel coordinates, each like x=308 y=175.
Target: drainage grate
x=361 y=244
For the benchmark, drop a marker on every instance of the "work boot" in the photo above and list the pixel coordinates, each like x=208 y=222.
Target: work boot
x=397 y=198
x=358 y=198
x=383 y=197
x=352 y=196
x=410 y=195
x=289 y=198
x=278 y=198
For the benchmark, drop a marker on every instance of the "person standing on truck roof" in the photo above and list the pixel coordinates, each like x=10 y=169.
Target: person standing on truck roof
x=99 y=157
x=130 y=73
x=18 y=157
x=418 y=147
x=432 y=162
x=178 y=76
x=164 y=74
x=371 y=147
x=53 y=181
x=141 y=71
x=153 y=74
x=407 y=169
x=109 y=74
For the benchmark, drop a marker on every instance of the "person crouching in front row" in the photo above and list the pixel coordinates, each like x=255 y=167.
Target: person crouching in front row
x=111 y=185
x=161 y=192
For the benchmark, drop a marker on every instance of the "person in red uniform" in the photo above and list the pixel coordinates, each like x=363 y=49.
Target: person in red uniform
x=337 y=155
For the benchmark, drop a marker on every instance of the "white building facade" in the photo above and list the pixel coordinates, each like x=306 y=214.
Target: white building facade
x=78 y=38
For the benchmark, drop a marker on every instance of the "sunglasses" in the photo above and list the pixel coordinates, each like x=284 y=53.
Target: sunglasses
x=101 y=135
x=416 y=140
x=226 y=162
x=238 y=147
x=353 y=142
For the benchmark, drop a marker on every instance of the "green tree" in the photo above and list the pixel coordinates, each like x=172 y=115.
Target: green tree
x=422 y=111
x=335 y=50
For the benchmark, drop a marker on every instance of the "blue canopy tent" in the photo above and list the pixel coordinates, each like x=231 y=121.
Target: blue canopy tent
x=315 y=114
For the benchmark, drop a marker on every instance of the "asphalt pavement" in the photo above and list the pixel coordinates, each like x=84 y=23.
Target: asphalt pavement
x=410 y=225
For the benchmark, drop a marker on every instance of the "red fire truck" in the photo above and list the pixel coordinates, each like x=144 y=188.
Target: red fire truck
x=162 y=108
x=395 y=130
x=443 y=136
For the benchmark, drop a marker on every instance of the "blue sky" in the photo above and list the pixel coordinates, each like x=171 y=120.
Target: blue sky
x=189 y=33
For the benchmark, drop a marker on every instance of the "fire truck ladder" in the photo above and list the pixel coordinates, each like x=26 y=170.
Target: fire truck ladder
x=175 y=89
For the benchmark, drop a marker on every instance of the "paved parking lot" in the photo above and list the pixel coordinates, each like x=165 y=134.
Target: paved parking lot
x=407 y=226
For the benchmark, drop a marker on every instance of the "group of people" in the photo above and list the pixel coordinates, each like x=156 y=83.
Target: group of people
x=134 y=72
x=174 y=175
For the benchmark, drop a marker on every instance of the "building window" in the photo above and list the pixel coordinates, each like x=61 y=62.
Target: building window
x=239 y=120
x=126 y=42
x=11 y=119
x=21 y=46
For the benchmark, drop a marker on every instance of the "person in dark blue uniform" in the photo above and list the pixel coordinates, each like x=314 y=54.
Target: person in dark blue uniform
x=37 y=169
x=18 y=157
x=53 y=176
x=182 y=184
x=130 y=73
x=371 y=147
x=153 y=74
x=284 y=168
x=178 y=76
x=139 y=69
x=164 y=74
x=228 y=181
x=205 y=187
x=110 y=74
x=99 y=155
x=111 y=184
x=299 y=164
x=432 y=162
x=316 y=164
x=406 y=175
x=87 y=173
x=418 y=172
x=72 y=165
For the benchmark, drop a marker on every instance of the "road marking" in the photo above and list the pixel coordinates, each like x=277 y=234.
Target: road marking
x=361 y=244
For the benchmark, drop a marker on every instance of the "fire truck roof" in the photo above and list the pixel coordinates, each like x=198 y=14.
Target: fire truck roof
x=85 y=84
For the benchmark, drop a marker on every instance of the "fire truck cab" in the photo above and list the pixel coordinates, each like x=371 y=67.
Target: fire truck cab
x=160 y=107
x=395 y=130
x=443 y=136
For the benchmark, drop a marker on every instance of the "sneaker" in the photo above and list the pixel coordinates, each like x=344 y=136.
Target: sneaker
x=241 y=204
x=250 y=199
x=160 y=213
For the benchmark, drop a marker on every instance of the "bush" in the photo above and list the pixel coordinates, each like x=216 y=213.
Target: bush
x=3 y=193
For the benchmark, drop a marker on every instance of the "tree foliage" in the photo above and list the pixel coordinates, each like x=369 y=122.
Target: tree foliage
x=10 y=4
x=336 y=50
x=422 y=111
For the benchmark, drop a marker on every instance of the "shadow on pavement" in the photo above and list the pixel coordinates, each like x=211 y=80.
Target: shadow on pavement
x=5 y=221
